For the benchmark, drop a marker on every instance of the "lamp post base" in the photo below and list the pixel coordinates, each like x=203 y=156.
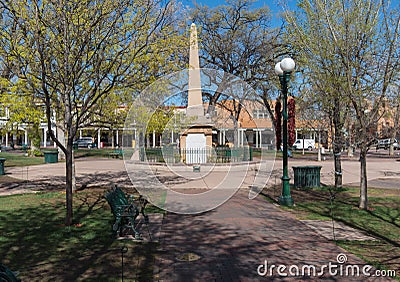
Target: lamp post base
x=285 y=201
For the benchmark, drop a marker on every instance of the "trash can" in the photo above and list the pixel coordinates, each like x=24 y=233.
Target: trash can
x=307 y=176
x=2 y=160
x=50 y=157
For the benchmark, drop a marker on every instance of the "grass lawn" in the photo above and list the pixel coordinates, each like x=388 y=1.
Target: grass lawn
x=84 y=153
x=266 y=154
x=100 y=153
x=35 y=242
x=382 y=220
x=19 y=159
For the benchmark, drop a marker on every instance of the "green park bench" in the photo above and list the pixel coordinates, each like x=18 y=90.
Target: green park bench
x=126 y=210
x=7 y=275
x=116 y=153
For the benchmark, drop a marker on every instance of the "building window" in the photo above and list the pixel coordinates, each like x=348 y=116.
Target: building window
x=260 y=113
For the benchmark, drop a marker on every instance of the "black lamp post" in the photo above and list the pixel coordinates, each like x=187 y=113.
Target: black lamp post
x=283 y=69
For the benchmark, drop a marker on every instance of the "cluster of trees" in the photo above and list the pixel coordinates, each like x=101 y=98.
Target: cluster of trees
x=81 y=59
x=348 y=57
x=349 y=52
x=78 y=57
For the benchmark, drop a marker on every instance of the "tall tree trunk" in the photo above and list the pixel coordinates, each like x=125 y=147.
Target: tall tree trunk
x=394 y=131
x=319 y=144
x=73 y=172
x=363 y=179
x=235 y=133
x=68 y=182
x=350 y=148
x=337 y=143
x=337 y=164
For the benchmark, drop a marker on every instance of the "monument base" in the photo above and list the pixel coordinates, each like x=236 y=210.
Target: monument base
x=196 y=144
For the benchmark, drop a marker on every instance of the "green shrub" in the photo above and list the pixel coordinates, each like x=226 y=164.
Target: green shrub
x=36 y=153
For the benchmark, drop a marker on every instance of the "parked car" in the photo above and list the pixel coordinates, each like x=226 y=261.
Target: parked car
x=300 y=144
x=385 y=144
x=84 y=142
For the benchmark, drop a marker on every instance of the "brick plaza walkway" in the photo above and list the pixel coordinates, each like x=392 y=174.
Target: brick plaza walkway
x=232 y=241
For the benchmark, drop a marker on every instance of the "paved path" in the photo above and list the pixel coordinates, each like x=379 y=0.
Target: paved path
x=381 y=172
x=231 y=242
x=89 y=172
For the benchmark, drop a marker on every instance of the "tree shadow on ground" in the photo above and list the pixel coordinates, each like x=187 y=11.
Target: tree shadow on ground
x=337 y=203
x=381 y=221
x=231 y=242
x=106 y=179
x=35 y=242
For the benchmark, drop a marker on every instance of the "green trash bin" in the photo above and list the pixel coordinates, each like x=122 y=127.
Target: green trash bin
x=50 y=157
x=2 y=160
x=307 y=176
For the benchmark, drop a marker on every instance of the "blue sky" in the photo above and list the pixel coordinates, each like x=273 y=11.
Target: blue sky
x=274 y=5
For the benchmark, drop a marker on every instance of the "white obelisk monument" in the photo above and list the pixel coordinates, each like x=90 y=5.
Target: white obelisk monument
x=197 y=139
x=195 y=101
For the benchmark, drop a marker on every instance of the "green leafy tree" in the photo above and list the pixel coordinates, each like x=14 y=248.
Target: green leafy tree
x=348 y=50
x=74 y=53
x=23 y=109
